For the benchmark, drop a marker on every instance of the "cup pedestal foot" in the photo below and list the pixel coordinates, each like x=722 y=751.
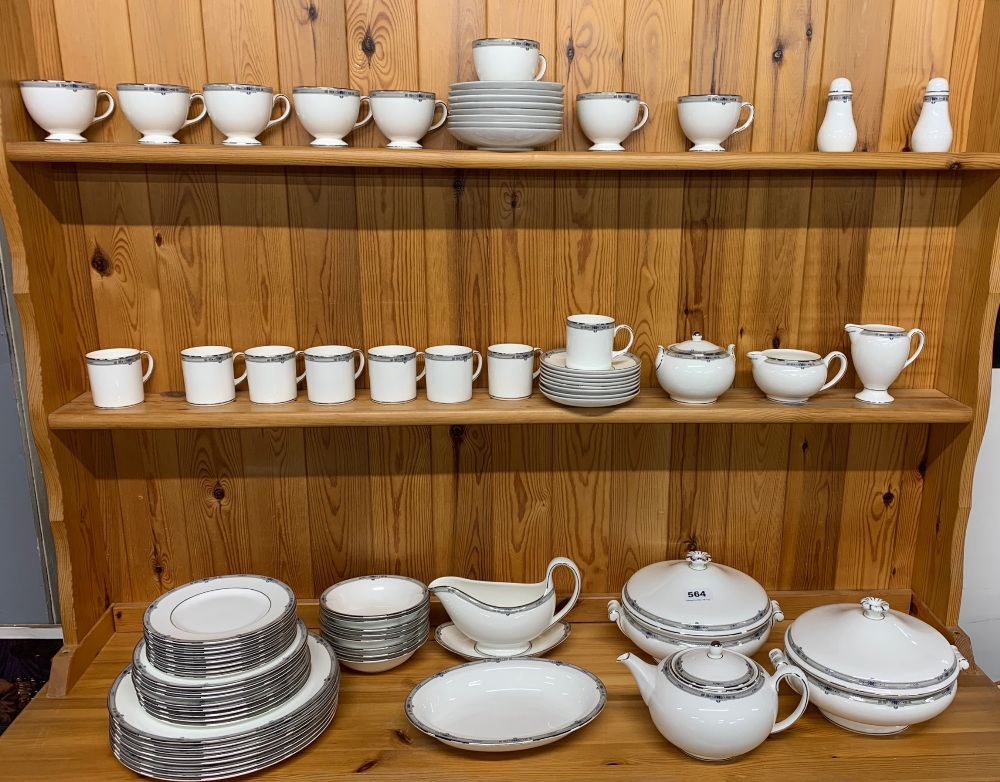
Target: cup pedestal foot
x=502 y=651
x=707 y=148
x=328 y=142
x=66 y=138
x=403 y=145
x=607 y=147
x=874 y=396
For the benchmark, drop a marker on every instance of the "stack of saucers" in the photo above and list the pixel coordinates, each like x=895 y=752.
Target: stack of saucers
x=506 y=116
x=375 y=622
x=589 y=387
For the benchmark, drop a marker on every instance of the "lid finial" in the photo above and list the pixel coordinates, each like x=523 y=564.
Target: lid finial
x=874 y=607
x=698 y=560
x=715 y=651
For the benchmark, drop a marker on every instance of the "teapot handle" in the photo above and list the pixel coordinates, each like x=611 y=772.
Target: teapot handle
x=783 y=669
x=567 y=563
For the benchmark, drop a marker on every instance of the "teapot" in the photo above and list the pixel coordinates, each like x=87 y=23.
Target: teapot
x=502 y=618
x=695 y=372
x=714 y=703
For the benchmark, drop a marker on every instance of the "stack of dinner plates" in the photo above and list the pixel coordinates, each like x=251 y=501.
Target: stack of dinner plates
x=588 y=387
x=506 y=116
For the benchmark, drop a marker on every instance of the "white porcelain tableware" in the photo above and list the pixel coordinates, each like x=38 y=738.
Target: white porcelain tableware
x=329 y=113
x=871 y=669
x=374 y=598
x=838 y=133
x=608 y=118
x=505 y=139
x=457 y=642
x=158 y=111
x=708 y=120
x=713 y=703
x=330 y=373
x=392 y=373
x=511 y=370
x=502 y=618
x=590 y=341
x=116 y=376
x=64 y=109
x=507 y=59
x=242 y=112
x=696 y=371
x=933 y=131
x=792 y=376
x=271 y=374
x=450 y=374
x=505 y=705
x=406 y=116
x=517 y=86
x=880 y=353
x=209 y=378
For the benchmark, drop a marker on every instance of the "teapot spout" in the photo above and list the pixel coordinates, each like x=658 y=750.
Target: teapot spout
x=643 y=673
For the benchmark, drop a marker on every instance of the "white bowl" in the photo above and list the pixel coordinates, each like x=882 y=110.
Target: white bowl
x=374 y=597
x=379 y=666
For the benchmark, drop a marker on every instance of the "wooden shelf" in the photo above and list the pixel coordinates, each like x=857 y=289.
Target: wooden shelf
x=738 y=406
x=191 y=154
x=67 y=738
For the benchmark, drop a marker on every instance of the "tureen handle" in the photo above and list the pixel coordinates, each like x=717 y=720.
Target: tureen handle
x=571 y=565
x=962 y=662
x=614 y=610
x=782 y=669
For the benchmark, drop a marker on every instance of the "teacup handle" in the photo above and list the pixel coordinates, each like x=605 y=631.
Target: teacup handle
x=631 y=339
x=106 y=114
x=361 y=366
x=149 y=362
x=541 y=72
x=920 y=345
x=566 y=563
x=284 y=114
x=444 y=115
x=746 y=124
x=368 y=116
x=421 y=375
x=479 y=366
x=537 y=372
x=645 y=115
x=241 y=378
x=843 y=367
x=204 y=109
x=300 y=378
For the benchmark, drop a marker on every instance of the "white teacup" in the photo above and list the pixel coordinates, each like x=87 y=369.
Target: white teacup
x=392 y=373
x=590 y=341
x=507 y=59
x=608 y=118
x=450 y=374
x=208 y=375
x=405 y=117
x=158 y=111
x=708 y=120
x=509 y=370
x=329 y=113
x=330 y=373
x=64 y=109
x=242 y=112
x=271 y=374
x=116 y=378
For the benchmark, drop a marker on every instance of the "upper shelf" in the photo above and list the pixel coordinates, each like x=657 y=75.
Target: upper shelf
x=191 y=154
x=738 y=406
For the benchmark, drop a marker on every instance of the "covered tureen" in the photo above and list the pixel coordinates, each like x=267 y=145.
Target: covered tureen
x=675 y=605
x=696 y=371
x=871 y=669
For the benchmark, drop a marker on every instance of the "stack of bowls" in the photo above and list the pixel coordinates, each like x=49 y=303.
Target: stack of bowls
x=375 y=622
x=589 y=387
x=506 y=116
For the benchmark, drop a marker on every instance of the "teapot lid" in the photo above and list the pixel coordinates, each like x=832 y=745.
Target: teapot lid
x=695 y=596
x=697 y=347
x=714 y=672
x=872 y=648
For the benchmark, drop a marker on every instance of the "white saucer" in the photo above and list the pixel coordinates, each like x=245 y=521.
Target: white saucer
x=457 y=642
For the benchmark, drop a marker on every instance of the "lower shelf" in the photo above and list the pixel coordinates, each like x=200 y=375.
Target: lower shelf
x=67 y=738
x=739 y=406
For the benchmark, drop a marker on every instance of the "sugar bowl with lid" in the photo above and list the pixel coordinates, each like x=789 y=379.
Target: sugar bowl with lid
x=696 y=371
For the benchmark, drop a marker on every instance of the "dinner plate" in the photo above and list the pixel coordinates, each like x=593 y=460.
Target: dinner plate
x=570 y=402
x=457 y=642
x=505 y=705
x=487 y=86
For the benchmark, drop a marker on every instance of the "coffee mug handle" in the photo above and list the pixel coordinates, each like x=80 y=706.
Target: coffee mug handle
x=920 y=345
x=541 y=73
x=368 y=116
x=202 y=113
x=631 y=339
x=537 y=372
x=284 y=114
x=241 y=378
x=105 y=115
x=149 y=360
x=421 y=375
x=361 y=366
x=645 y=115
x=300 y=378
x=843 y=367
x=444 y=115
x=479 y=366
x=746 y=124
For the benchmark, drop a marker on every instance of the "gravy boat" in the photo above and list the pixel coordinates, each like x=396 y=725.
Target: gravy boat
x=501 y=617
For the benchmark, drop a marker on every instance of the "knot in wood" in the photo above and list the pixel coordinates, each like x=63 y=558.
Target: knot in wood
x=456 y=432
x=100 y=263
x=888 y=497
x=313 y=12
x=368 y=45
x=219 y=493
x=778 y=54
x=809 y=31
x=776 y=342
x=570 y=51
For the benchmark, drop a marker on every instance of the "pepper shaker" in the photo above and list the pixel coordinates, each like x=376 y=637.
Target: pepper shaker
x=838 y=132
x=933 y=132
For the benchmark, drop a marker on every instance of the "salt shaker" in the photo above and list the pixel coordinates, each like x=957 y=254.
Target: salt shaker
x=838 y=132
x=932 y=132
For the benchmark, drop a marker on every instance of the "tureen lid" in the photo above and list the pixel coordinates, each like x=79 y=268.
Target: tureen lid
x=696 y=596
x=873 y=649
x=697 y=346
x=714 y=672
